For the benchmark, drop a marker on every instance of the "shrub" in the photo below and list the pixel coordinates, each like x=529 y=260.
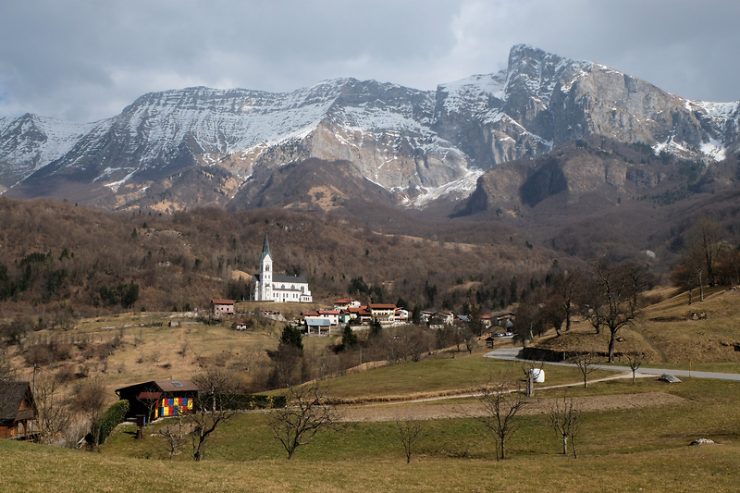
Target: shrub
x=112 y=418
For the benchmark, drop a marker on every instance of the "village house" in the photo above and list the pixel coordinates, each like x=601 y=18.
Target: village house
x=222 y=307
x=331 y=315
x=426 y=316
x=280 y=288
x=159 y=398
x=18 y=410
x=385 y=313
x=346 y=303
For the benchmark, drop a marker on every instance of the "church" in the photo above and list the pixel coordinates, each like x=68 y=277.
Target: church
x=281 y=288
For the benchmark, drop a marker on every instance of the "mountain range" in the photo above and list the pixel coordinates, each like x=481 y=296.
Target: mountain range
x=503 y=141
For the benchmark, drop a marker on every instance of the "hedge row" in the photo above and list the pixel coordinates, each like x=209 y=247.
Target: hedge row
x=113 y=416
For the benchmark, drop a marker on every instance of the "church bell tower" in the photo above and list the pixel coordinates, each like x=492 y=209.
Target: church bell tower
x=266 y=271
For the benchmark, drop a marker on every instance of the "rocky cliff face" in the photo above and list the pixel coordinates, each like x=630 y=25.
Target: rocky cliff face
x=417 y=145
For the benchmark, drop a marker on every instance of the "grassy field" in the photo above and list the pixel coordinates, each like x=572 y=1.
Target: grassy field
x=625 y=447
x=442 y=374
x=675 y=469
x=620 y=450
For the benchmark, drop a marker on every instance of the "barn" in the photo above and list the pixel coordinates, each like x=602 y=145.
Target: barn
x=17 y=410
x=159 y=398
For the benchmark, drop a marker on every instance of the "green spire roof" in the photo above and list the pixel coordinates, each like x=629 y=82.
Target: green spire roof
x=265 y=248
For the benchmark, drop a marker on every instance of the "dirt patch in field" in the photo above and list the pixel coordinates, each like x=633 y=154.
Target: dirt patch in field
x=433 y=410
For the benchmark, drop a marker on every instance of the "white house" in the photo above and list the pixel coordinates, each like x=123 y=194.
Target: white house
x=331 y=315
x=281 y=288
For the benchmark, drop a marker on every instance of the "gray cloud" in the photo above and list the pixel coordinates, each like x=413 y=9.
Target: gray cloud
x=85 y=60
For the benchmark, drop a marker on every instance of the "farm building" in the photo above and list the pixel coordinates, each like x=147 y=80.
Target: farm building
x=219 y=308
x=17 y=410
x=159 y=398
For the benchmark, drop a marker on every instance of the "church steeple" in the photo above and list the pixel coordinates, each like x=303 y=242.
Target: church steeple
x=266 y=272
x=265 y=249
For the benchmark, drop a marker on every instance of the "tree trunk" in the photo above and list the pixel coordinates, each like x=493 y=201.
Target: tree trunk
x=567 y=316
x=612 y=342
x=565 y=444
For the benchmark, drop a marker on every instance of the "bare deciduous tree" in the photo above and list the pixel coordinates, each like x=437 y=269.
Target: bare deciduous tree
x=5 y=371
x=175 y=436
x=471 y=342
x=634 y=361
x=53 y=413
x=617 y=299
x=585 y=363
x=89 y=400
x=305 y=414
x=565 y=419
x=216 y=388
x=409 y=433
x=501 y=408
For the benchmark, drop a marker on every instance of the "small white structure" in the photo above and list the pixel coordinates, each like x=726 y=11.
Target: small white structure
x=537 y=375
x=317 y=326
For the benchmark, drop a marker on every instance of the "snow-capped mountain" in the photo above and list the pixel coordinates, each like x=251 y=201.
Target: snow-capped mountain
x=418 y=145
x=30 y=142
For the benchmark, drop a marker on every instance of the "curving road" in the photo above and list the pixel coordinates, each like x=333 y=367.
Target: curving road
x=510 y=354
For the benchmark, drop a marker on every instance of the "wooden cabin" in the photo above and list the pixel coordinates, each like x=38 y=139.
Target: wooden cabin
x=159 y=398
x=18 y=410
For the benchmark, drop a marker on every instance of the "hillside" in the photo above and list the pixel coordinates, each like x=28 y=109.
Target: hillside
x=703 y=335
x=63 y=259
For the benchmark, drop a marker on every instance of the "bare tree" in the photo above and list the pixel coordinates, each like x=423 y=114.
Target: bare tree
x=501 y=408
x=565 y=419
x=175 y=436
x=409 y=433
x=705 y=237
x=305 y=414
x=89 y=400
x=215 y=389
x=471 y=342
x=618 y=300
x=634 y=361
x=53 y=413
x=6 y=373
x=585 y=363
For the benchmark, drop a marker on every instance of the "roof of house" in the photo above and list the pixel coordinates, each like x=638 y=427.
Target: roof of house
x=164 y=386
x=343 y=301
x=318 y=322
x=382 y=306
x=11 y=396
x=328 y=312
x=222 y=301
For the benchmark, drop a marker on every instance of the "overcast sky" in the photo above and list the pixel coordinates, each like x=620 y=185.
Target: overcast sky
x=85 y=60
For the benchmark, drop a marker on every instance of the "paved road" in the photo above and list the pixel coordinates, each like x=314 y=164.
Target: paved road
x=510 y=354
